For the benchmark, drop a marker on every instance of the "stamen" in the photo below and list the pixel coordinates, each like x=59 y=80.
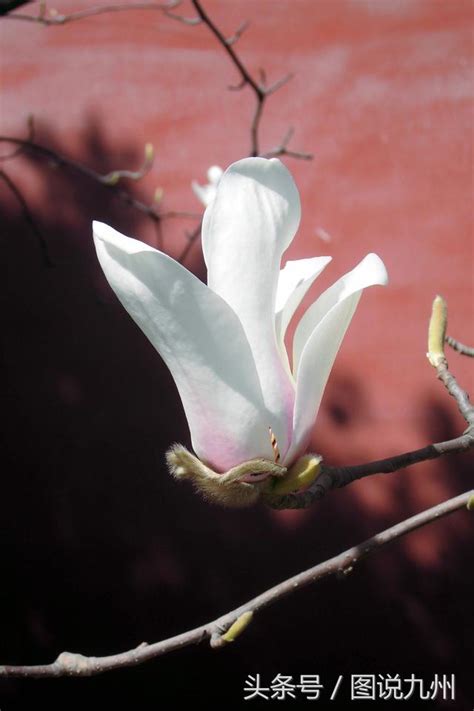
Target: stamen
x=276 y=451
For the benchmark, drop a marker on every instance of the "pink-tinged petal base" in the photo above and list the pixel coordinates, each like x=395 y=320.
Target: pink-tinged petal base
x=202 y=342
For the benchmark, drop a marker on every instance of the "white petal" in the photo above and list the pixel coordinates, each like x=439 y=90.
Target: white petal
x=317 y=341
x=202 y=342
x=245 y=231
x=204 y=193
x=214 y=174
x=293 y=283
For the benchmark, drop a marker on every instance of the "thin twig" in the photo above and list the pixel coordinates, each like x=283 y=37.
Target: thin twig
x=192 y=21
x=243 y=71
x=278 y=84
x=246 y=77
x=28 y=217
x=238 y=33
x=115 y=176
x=225 y=628
x=282 y=149
x=54 y=18
x=260 y=91
x=109 y=180
x=460 y=347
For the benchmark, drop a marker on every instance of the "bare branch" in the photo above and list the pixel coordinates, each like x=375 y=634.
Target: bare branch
x=460 y=347
x=109 y=180
x=246 y=77
x=282 y=150
x=192 y=21
x=238 y=33
x=255 y=125
x=28 y=217
x=237 y=87
x=54 y=18
x=114 y=177
x=243 y=71
x=227 y=627
x=278 y=84
x=299 y=155
x=260 y=91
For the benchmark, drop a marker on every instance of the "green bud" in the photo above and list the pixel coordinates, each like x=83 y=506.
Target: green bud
x=111 y=178
x=149 y=153
x=158 y=196
x=437 y=332
x=299 y=476
x=238 y=627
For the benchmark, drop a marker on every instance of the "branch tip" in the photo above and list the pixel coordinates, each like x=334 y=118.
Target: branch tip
x=238 y=33
x=437 y=332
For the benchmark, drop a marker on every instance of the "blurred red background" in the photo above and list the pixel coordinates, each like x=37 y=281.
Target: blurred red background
x=100 y=548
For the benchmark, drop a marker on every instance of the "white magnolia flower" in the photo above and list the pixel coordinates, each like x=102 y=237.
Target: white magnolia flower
x=207 y=193
x=224 y=343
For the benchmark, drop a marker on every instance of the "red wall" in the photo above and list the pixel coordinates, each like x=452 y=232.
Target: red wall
x=101 y=548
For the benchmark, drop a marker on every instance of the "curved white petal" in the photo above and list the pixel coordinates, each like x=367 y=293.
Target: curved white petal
x=317 y=341
x=293 y=283
x=246 y=229
x=202 y=342
x=296 y=274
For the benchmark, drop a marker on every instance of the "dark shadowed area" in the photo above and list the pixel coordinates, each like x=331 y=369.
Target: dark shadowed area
x=100 y=549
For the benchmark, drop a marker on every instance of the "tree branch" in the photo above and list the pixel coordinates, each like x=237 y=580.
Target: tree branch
x=109 y=181
x=226 y=628
x=460 y=347
x=282 y=149
x=260 y=91
x=246 y=78
x=243 y=71
x=238 y=33
x=54 y=18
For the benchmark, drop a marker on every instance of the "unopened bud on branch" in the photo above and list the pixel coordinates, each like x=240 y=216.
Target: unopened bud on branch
x=437 y=332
